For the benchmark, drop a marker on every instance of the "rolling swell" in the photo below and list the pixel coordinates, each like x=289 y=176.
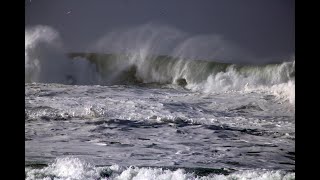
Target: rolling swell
x=208 y=76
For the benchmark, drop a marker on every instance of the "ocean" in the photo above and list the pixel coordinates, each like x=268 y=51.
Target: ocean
x=136 y=115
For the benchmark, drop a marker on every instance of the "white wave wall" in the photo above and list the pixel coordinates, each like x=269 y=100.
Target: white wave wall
x=33 y=37
x=45 y=59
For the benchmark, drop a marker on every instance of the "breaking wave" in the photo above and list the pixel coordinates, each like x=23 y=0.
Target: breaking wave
x=196 y=75
x=45 y=61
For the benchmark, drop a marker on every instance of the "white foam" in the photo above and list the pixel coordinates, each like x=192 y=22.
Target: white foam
x=268 y=80
x=156 y=105
x=65 y=168
x=69 y=168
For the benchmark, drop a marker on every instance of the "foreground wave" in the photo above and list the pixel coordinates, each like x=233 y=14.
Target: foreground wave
x=74 y=168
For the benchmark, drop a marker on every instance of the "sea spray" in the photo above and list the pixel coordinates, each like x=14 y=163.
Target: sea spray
x=45 y=59
x=33 y=37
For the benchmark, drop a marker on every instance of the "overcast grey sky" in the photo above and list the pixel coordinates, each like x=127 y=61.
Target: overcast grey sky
x=266 y=28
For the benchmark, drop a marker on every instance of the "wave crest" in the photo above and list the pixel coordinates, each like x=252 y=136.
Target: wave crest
x=45 y=61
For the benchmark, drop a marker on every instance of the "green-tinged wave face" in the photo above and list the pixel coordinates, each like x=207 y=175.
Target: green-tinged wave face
x=126 y=68
x=196 y=75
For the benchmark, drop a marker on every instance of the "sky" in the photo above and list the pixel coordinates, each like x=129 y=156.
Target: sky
x=265 y=28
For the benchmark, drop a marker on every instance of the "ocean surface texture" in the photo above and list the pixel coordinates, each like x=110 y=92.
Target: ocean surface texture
x=133 y=116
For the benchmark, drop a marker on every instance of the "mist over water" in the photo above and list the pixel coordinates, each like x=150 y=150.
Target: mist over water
x=35 y=36
x=45 y=59
x=160 y=39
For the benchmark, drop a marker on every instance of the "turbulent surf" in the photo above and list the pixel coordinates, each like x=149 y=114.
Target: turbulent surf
x=137 y=114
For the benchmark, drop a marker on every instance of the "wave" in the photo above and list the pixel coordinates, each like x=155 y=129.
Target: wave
x=75 y=168
x=198 y=75
x=167 y=69
x=46 y=61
